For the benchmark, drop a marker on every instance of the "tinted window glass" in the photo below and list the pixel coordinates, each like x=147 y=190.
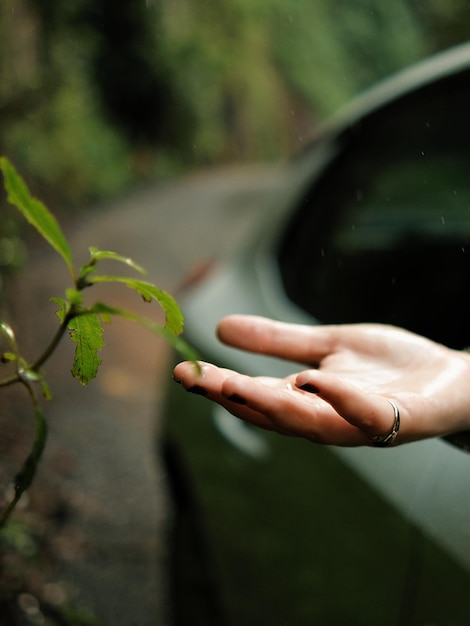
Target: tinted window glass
x=384 y=236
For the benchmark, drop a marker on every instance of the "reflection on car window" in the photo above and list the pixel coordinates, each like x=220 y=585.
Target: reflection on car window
x=385 y=233
x=396 y=207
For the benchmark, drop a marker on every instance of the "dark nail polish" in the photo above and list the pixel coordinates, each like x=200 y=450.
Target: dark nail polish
x=310 y=388
x=198 y=390
x=236 y=398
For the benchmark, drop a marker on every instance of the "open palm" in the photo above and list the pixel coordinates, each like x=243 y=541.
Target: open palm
x=343 y=398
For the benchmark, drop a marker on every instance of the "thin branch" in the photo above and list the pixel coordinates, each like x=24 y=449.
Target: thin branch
x=10 y=380
x=15 y=378
x=53 y=343
x=25 y=476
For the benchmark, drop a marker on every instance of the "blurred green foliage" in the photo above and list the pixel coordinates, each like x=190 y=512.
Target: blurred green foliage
x=96 y=95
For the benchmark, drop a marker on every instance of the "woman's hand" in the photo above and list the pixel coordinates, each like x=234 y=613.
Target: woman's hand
x=344 y=397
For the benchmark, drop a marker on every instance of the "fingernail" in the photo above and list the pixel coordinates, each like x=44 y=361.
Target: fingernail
x=310 y=388
x=178 y=381
x=198 y=390
x=236 y=398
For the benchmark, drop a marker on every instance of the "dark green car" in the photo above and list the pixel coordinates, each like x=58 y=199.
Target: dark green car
x=275 y=531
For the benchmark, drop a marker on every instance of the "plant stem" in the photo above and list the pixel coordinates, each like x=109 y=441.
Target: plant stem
x=25 y=476
x=53 y=343
x=14 y=378
x=10 y=380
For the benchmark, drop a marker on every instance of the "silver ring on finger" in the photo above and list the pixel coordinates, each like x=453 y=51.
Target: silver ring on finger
x=386 y=440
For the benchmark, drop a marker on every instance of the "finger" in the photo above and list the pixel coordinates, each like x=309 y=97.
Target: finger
x=371 y=413
x=251 y=416
x=206 y=379
x=292 y=411
x=205 y=375
x=295 y=342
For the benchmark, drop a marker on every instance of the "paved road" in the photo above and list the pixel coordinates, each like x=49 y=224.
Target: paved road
x=100 y=455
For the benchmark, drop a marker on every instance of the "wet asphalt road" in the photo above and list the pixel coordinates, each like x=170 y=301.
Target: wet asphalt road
x=100 y=455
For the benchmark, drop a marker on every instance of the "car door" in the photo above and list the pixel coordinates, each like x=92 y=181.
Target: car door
x=385 y=233
x=274 y=530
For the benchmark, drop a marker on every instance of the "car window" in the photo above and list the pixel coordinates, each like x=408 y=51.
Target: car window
x=384 y=235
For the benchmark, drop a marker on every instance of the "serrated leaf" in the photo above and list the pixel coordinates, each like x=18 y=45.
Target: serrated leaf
x=99 y=255
x=185 y=350
x=148 y=291
x=35 y=211
x=86 y=331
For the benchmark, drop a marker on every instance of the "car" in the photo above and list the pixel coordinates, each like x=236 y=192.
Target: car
x=371 y=222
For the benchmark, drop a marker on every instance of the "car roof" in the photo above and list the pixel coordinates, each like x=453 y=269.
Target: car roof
x=410 y=79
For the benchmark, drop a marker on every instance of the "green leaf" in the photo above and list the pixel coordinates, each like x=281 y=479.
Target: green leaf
x=98 y=255
x=46 y=390
x=184 y=349
x=74 y=296
x=63 y=308
x=18 y=536
x=86 y=331
x=35 y=212
x=7 y=331
x=8 y=357
x=148 y=291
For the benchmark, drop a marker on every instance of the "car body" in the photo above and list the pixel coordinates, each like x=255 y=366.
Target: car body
x=274 y=530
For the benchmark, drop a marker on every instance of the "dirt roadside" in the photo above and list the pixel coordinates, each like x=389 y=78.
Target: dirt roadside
x=100 y=502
